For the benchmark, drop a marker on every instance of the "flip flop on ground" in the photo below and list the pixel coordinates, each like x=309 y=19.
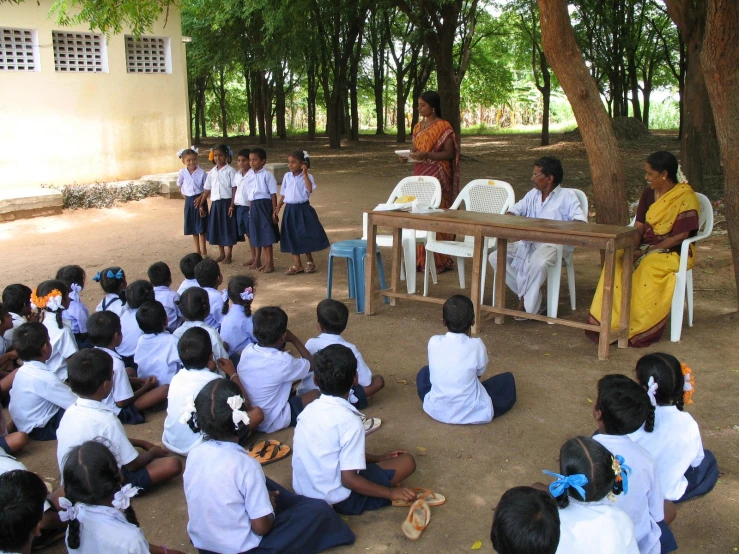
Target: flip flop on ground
x=432 y=498
x=418 y=519
x=310 y=267
x=268 y=451
x=371 y=424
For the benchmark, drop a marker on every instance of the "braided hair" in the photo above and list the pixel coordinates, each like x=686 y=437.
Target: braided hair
x=237 y=285
x=45 y=288
x=667 y=374
x=624 y=405
x=213 y=416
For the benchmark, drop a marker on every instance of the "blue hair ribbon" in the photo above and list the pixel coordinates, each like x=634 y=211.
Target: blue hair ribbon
x=577 y=482
x=111 y=275
x=97 y=277
x=622 y=471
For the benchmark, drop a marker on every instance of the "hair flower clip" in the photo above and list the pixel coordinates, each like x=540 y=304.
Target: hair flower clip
x=558 y=488
x=52 y=301
x=652 y=387
x=69 y=511
x=305 y=155
x=689 y=386
x=122 y=499
x=681 y=178
x=621 y=471
x=188 y=408
x=210 y=155
x=248 y=294
x=238 y=415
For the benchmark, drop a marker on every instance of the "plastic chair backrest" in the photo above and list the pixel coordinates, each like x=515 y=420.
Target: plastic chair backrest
x=486 y=196
x=427 y=190
x=705 y=217
x=582 y=198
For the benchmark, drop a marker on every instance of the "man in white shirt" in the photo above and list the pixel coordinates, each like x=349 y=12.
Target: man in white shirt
x=527 y=262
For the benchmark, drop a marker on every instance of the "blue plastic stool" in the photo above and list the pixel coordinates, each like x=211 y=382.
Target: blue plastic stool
x=355 y=251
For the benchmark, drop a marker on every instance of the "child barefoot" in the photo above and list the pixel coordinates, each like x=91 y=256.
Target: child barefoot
x=219 y=186
x=190 y=180
x=262 y=193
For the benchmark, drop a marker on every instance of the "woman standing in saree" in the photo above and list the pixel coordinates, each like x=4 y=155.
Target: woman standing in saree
x=666 y=216
x=436 y=154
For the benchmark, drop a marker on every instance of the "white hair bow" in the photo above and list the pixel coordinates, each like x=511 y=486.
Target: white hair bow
x=305 y=154
x=69 y=511
x=687 y=386
x=54 y=303
x=122 y=499
x=187 y=410
x=238 y=415
x=74 y=293
x=224 y=295
x=248 y=294
x=652 y=387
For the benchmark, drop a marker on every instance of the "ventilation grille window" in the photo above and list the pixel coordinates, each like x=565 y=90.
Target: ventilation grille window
x=78 y=52
x=17 y=50
x=147 y=54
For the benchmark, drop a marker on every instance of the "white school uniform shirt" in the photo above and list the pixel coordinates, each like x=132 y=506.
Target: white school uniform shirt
x=326 y=339
x=328 y=439
x=111 y=303
x=168 y=297
x=105 y=529
x=191 y=184
x=595 y=528
x=122 y=389
x=215 y=297
x=242 y=196
x=87 y=420
x=63 y=345
x=9 y=463
x=644 y=502
x=18 y=320
x=178 y=437
x=456 y=362
x=36 y=396
x=675 y=444
x=186 y=284
x=77 y=314
x=156 y=356
x=221 y=504
x=293 y=188
x=237 y=329
x=220 y=183
x=219 y=350
x=267 y=375
x=261 y=184
x=131 y=332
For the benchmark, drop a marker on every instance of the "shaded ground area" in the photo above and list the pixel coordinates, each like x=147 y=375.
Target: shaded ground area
x=556 y=368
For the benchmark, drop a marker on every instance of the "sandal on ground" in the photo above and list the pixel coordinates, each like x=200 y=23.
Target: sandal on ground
x=431 y=498
x=268 y=451
x=371 y=424
x=292 y=270
x=310 y=267
x=521 y=318
x=418 y=519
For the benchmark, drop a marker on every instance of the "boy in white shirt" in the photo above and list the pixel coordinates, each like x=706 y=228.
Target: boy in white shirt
x=208 y=274
x=38 y=398
x=156 y=352
x=449 y=386
x=161 y=279
x=187 y=267
x=91 y=377
x=329 y=457
x=268 y=372
x=23 y=498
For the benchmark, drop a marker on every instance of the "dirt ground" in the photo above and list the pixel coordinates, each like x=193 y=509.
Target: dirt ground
x=556 y=368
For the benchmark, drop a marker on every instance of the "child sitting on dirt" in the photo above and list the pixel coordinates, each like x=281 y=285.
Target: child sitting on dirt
x=268 y=372
x=329 y=458
x=8 y=356
x=156 y=352
x=113 y=282
x=23 y=498
x=187 y=267
x=237 y=328
x=74 y=277
x=195 y=307
x=208 y=274
x=17 y=300
x=449 y=386
x=137 y=293
x=51 y=298
x=526 y=520
x=161 y=279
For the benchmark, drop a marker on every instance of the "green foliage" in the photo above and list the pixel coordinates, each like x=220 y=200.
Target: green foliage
x=104 y=195
x=111 y=17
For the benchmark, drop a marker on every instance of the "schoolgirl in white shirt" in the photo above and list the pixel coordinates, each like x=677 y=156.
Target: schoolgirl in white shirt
x=237 y=328
x=242 y=201
x=621 y=408
x=686 y=470
x=301 y=232
x=195 y=307
x=137 y=293
x=156 y=352
x=590 y=522
x=223 y=230
x=17 y=300
x=113 y=282
x=261 y=189
x=97 y=508
x=252 y=511
x=191 y=180
x=161 y=279
x=77 y=313
x=52 y=298
x=187 y=267
x=208 y=274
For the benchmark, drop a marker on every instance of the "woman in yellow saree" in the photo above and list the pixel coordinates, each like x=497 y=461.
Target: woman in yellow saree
x=436 y=153
x=666 y=216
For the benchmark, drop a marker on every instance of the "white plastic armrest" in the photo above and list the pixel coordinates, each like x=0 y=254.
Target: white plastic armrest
x=684 y=253
x=365 y=229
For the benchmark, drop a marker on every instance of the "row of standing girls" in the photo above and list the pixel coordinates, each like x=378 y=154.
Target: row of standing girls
x=244 y=202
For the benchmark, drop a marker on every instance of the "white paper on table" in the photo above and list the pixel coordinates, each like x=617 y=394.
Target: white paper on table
x=403 y=207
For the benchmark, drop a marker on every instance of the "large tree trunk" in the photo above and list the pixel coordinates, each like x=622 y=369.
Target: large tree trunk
x=312 y=93
x=249 y=87
x=280 y=104
x=260 y=103
x=267 y=110
x=222 y=102
x=720 y=61
x=353 y=94
x=563 y=54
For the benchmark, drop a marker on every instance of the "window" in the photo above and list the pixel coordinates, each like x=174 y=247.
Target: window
x=79 y=52
x=148 y=55
x=18 y=50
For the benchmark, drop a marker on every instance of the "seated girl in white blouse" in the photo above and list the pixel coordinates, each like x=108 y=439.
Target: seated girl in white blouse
x=98 y=509
x=113 y=282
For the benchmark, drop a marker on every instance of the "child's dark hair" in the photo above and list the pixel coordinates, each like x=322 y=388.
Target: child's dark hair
x=668 y=375
x=335 y=369
x=90 y=476
x=159 y=274
x=664 y=161
x=102 y=328
x=225 y=149
x=195 y=348
x=301 y=157
x=332 y=316
x=3 y=311
x=526 y=521
x=29 y=339
x=270 y=323
x=188 y=263
x=112 y=280
x=238 y=285
x=213 y=416
x=71 y=274
x=88 y=369
x=194 y=304
x=22 y=497
x=260 y=153
x=583 y=455
x=188 y=152
x=207 y=273
x=151 y=317
x=624 y=405
x=244 y=153
x=16 y=297
x=45 y=288
x=458 y=313
x=139 y=292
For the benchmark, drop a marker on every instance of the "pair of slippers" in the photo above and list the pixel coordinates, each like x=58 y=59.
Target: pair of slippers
x=419 y=514
x=268 y=451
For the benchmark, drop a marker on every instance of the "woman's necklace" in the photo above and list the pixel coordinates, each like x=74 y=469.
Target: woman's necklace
x=427 y=122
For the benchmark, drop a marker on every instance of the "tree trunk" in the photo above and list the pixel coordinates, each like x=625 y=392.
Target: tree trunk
x=196 y=134
x=647 y=94
x=260 y=103
x=634 y=81
x=249 y=87
x=267 y=110
x=720 y=61
x=400 y=110
x=280 y=104
x=312 y=93
x=547 y=97
x=222 y=101
x=353 y=94
x=563 y=54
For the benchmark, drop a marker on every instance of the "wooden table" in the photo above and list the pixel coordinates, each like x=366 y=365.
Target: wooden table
x=610 y=238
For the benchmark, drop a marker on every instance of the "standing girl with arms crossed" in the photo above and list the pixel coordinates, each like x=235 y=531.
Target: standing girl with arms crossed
x=190 y=180
x=223 y=230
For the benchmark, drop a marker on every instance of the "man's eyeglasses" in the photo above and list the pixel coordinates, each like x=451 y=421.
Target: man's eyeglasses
x=537 y=175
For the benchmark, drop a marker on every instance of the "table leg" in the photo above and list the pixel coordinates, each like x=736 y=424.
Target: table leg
x=409 y=254
x=626 y=273
x=607 y=304
x=500 y=275
x=476 y=270
x=395 y=275
x=370 y=269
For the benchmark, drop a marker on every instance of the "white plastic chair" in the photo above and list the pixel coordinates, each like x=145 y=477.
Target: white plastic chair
x=481 y=195
x=427 y=190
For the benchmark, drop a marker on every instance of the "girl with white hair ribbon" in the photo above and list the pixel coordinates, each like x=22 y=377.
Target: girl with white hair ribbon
x=51 y=298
